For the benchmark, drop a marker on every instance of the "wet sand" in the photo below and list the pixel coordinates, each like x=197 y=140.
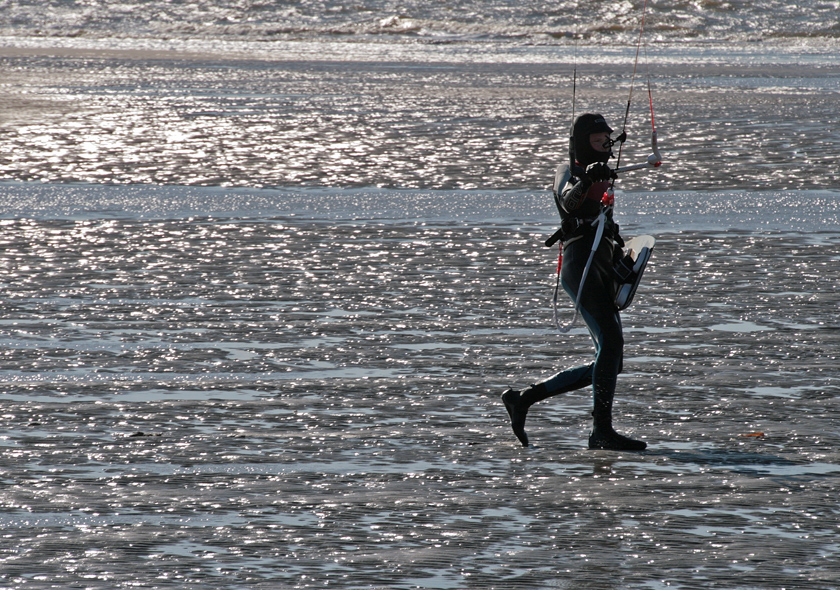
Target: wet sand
x=233 y=388
x=228 y=403
x=415 y=116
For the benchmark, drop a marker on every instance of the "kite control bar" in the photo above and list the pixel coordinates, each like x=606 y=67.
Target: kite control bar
x=653 y=161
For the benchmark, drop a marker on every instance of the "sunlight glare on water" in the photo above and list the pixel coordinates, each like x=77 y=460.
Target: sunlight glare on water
x=282 y=121
x=252 y=401
x=265 y=269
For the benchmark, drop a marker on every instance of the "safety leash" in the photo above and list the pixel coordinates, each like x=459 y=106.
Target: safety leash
x=599 y=232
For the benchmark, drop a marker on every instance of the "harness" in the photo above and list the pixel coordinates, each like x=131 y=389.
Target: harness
x=569 y=230
x=575 y=224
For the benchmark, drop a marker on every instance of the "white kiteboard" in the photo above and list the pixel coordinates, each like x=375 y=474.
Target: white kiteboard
x=631 y=268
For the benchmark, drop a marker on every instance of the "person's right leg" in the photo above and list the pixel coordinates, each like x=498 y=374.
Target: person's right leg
x=517 y=403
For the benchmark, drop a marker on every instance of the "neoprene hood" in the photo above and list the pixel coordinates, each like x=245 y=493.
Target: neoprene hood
x=584 y=126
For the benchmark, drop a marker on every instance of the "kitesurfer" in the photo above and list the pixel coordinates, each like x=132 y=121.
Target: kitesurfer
x=580 y=203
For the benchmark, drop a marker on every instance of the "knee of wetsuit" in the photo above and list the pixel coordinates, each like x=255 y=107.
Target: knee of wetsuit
x=612 y=344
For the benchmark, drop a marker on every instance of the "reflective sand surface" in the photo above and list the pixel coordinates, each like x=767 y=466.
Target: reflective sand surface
x=274 y=402
x=207 y=385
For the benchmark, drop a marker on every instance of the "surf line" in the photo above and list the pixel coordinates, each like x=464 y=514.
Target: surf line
x=638 y=250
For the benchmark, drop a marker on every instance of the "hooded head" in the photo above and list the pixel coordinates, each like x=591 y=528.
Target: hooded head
x=583 y=127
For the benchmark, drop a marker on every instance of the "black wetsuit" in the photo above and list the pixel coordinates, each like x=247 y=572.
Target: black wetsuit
x=579 y=206
x=578 y=199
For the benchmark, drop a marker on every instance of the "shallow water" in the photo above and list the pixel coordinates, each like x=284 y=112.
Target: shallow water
x=499 y=20
x=309 y=403
x=749 y=117
x=260 y=295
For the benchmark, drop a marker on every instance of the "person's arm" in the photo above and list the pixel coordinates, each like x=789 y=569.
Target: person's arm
x=574 y=194
x=577 y=192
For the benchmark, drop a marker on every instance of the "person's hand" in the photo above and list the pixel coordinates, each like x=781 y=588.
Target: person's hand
x=600 y=171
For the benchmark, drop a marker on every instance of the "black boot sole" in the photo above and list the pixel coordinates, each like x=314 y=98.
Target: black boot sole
x=615 y=442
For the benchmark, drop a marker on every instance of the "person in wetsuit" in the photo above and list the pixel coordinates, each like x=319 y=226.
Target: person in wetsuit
x=579 y=203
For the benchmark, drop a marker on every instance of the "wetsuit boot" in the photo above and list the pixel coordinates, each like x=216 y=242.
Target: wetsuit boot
x=517 y=404
x=604 y=437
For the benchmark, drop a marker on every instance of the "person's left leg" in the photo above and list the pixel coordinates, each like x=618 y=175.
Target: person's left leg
x=604 y=325
x=597 y=307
